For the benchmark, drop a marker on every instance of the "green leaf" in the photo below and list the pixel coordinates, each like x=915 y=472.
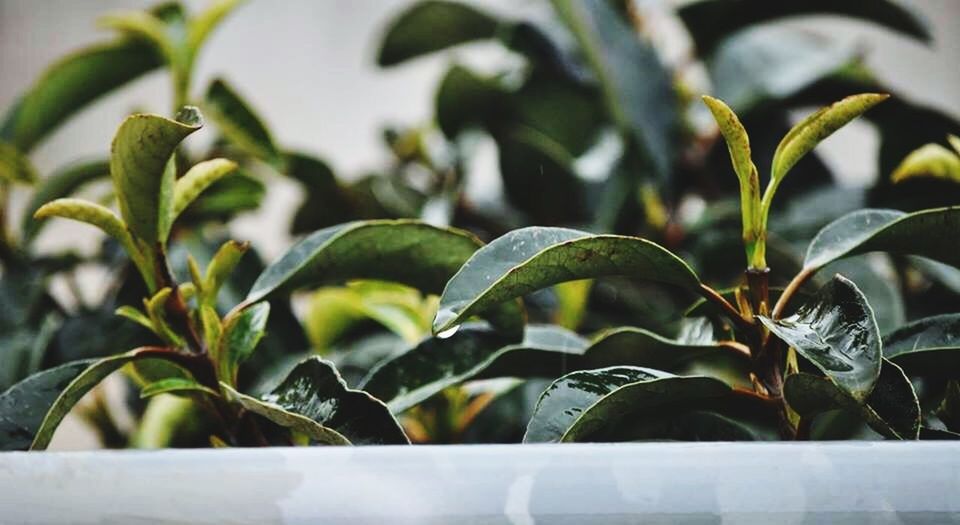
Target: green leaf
x=597 y=405
x=477 y=352
x=710 y=22
x=891 y=408
x=437 y=363
x=637 y=88
x=239 y=123
x=31 y=410
x=466 y=99
x=221 y=266
x=419 y=255
x=72 y=83
x=327 y=201
x=811 y=131
x=62 y=183
x=317 y=433
x=200 y=26
x=143 y=175
x=94 y=215
x=837 y=333
x=242 y=330
x=764 y=66
x=176 y=385
x=15 y=166
x=145 y=26
x=926 y=346
x=431 y=26
x=529 y=259
x=315 y=390
x=926 y=233
x=226 y=198
x=197 y=179
x=932 y=160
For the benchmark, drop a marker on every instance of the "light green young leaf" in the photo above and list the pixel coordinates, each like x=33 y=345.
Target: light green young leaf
x=142 y=171
x=932 y=160
x=95 y=215
x=15 y=166
x=145 y=26
x=176 y=385
x=62 y=183
x=200 y=26
x=220 y=268
x=738 y=144
x=196 y=180
x=529 y=259
x=811 y=131
x=136 y=316
x=242 y=330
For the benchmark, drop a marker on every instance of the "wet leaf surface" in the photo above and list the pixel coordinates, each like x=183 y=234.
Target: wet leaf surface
x=929 y=346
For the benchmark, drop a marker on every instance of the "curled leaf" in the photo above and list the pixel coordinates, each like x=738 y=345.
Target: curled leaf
x=932 y=160
x=196 y=180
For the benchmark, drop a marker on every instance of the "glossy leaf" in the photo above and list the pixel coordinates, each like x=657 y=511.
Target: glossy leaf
x=437 y=363
x=593 y=405
x=242 y=330
x=891 y=408
x=837 y=333
x=529 y=259
x=239 y=123
x=142 y=174
x=62 y=183
x=926 y=233
x=932 y=160
x=316 y=432
x=314 y=389
x=72 y=83
x=926 y=346
x=711 y=21
x=430 y=26
x=637 y=88
x=31 y=410
x=15 y=166
x=811 y=131
x=197 y=179
x=420 y=256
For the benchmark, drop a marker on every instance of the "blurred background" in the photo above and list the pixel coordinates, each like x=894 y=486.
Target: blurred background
x=309 y=68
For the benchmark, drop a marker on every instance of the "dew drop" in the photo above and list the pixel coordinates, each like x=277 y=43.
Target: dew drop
x=448 y=332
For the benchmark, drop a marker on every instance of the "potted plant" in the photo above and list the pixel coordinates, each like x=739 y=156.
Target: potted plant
x=616 y=317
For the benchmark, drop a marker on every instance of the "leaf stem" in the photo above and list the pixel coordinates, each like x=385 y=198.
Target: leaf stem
x=714 y=297
x=799 y=280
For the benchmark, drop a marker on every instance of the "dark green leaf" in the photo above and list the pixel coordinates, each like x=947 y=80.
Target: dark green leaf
x=770 y=64
x=596 y=405
x=176 y=385
x=837 y=332
x=637 y=88
x=315 y=390
x=529 y=259
x=433 y=25
x=63 y=183
x=327 y=202
x=403 y=251
x=317 y=433
x=926 y=346
x=927 y=233
x=225 y=198
x=31 y=410
x=73 y=82
x=891 y=408
x=142 y=174
x=466 y=100
x=437 y=363
x=238 y=122
x=881 y=288
x=711 y=21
